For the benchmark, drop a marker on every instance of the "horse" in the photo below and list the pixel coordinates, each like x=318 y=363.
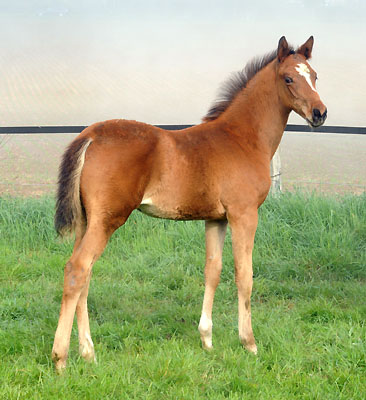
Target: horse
x=217 y=171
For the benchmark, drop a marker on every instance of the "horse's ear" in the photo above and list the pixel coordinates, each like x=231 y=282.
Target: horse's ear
x=306 y=48
x=282 y=49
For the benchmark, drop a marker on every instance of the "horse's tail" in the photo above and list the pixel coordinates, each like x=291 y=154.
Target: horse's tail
x=70 y=212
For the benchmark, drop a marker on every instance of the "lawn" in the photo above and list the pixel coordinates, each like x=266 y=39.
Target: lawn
x=308 y=307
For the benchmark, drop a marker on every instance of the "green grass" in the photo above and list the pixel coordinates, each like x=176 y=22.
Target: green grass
x=308 y=307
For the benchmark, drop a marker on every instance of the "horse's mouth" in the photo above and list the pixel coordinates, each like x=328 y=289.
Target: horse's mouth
x=313 y=124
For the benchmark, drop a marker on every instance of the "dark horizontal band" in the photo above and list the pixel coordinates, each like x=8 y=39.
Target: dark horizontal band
x=78 y=128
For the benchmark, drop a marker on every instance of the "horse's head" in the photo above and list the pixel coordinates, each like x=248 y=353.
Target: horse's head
x=296 y=82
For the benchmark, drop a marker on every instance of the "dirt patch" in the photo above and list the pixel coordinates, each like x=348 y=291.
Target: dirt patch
x=29 y=163
x=324 y=162
x=332 y=163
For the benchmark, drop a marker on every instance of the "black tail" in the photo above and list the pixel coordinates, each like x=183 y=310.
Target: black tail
x=69 y=210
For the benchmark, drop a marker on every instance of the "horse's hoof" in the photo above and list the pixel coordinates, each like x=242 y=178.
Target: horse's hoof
x=60 y=367
x=207 y=346
x=252 y=348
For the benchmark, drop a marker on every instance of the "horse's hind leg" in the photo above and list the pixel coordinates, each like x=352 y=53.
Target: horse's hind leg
x=79 y=234
x=86 y=347
x=215 y=236
x=76 y=280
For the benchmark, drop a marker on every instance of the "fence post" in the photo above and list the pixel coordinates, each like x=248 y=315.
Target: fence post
x=276 y=186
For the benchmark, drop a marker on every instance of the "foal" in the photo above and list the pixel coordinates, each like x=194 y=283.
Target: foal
x=218 y=171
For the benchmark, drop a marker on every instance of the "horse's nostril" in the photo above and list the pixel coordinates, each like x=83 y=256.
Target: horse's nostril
x=316 y=113
x=325 y=114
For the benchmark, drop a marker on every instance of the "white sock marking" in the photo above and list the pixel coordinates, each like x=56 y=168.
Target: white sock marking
x=304 y=71
x=205 y=323
x=86 y=349
x=89 y=340
x=205 y=328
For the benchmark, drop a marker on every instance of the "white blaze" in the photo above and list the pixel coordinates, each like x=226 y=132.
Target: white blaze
x=304 y=71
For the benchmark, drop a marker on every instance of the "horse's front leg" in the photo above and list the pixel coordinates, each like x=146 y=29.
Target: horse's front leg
x=243 y=226
x=215 y=236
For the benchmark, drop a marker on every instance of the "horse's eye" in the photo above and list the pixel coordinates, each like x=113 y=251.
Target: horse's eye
x=288 y=80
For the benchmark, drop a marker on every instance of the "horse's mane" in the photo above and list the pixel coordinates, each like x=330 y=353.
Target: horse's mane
x=237 y=82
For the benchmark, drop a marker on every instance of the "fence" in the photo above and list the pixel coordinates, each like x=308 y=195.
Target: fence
x=78 y=128
x=29 y=166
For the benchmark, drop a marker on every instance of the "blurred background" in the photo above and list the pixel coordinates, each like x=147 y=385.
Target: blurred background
x=76 y=62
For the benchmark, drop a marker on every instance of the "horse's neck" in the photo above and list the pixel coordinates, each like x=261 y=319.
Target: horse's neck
x=256 y=115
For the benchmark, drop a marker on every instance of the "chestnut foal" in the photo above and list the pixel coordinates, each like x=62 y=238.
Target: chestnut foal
x=218 y=171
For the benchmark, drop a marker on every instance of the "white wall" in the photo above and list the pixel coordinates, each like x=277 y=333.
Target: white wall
x=77 y=62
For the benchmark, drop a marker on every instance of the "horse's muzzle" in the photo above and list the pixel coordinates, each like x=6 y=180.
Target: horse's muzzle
x=318 y=118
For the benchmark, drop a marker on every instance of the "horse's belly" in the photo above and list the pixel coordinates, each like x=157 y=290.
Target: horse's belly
x=168 y=210
x=153 y=210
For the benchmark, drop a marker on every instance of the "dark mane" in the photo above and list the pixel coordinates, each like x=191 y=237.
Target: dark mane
x=236 y=83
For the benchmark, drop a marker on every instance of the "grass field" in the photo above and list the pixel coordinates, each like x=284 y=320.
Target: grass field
x=308 y=307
